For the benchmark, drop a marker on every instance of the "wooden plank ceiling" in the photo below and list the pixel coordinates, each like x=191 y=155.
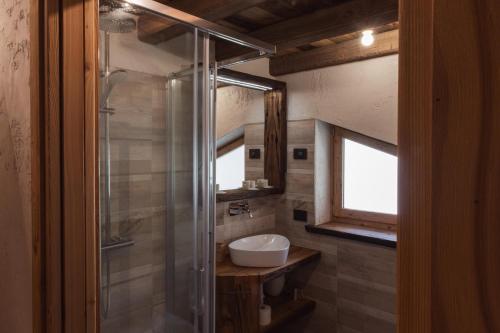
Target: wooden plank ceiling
x=294 y=26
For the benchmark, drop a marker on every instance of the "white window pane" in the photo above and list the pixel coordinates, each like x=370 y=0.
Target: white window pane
x=370 y=179
x=230 y=169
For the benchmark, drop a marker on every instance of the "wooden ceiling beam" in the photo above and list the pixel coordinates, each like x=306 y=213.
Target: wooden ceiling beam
x=338 y=20
x=152 y=29
x=386 y=43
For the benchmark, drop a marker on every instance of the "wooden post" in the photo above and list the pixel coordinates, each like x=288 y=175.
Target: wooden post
x=65 y=295
x=275 y=109
x=449 y=166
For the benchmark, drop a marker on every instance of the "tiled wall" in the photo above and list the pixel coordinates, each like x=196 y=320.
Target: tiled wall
x=263 y=209
x=232 y=227
x=137 y=130
x=354 y=283
x=254 y=139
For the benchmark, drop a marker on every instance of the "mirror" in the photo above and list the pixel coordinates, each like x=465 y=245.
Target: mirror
x=251 y=136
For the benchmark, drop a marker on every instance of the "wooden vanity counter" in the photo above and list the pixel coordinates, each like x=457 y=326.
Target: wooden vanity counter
x=239 y=294
x=296 y=256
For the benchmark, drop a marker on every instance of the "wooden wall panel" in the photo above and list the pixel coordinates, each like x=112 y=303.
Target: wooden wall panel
x=449 y=143
x=415 y=166
x=52 y=170
x=66 y=295
x=466 y=169
x=73 y=136
x=91 y=156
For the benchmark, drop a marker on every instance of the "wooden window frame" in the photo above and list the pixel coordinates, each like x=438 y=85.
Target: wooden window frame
x=353 y=216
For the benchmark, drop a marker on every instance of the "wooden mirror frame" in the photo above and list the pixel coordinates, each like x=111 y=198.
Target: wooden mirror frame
x=275 y=136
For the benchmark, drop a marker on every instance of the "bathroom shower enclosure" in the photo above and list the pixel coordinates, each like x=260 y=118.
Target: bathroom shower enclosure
x=157 y=162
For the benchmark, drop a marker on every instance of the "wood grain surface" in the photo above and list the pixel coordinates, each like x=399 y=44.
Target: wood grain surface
x=297 y=256
x=449 y=172
x=386 y=43
x=275 y=138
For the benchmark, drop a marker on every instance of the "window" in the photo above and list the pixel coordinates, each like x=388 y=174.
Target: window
x=230 y=168
x=365 y=179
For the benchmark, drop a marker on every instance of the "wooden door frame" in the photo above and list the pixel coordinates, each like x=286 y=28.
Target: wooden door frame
x=65 y=161
x=65 y=195
x=449 y=166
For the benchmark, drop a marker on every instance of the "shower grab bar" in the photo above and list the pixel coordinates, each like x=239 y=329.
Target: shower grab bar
x=117 y=245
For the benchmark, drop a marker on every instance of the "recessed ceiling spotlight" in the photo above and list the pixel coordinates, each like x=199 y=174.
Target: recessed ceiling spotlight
x=367 y=38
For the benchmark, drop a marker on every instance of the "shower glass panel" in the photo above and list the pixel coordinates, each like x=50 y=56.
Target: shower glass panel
x=156 y=171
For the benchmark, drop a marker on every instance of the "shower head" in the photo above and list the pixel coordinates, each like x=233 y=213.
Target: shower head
x=112 y=24
x=114 y=17
x=117 y=17
x=110 y=81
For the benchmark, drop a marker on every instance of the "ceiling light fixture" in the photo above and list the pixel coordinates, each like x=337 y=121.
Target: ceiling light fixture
x=367 y=38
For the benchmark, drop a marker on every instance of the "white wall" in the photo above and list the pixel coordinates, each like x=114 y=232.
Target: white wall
x=360 y=96
x=237 y=106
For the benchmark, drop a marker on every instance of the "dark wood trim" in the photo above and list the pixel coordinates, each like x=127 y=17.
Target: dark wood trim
x=449 y=167
x=275 y=137
x=240 y=194
x=230 y=146
x=339 y=212
x=348 y=17
x=386 y=43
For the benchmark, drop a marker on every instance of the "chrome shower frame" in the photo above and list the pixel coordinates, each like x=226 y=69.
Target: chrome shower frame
x=212 y=29
x=204 y=267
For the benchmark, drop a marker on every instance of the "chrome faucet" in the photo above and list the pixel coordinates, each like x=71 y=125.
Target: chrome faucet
x=240 y=207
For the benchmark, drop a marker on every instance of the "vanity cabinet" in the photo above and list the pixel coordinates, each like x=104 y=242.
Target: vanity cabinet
x=239 y=291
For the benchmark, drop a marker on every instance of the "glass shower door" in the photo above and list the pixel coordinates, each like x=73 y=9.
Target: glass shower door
x=156 y=167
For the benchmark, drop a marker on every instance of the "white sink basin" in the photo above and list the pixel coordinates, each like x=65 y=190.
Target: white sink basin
x=260 y=251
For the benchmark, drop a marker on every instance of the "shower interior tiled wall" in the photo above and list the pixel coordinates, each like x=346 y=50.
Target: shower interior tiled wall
x=138 y=205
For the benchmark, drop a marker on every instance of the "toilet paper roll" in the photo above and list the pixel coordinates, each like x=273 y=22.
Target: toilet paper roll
x=264 y=315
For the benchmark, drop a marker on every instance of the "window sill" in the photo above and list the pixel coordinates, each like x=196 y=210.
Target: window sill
x=386 y=238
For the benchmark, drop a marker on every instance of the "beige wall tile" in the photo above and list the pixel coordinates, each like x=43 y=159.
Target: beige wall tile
x=254 y=134
x=300 y=132
x=307 y=164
